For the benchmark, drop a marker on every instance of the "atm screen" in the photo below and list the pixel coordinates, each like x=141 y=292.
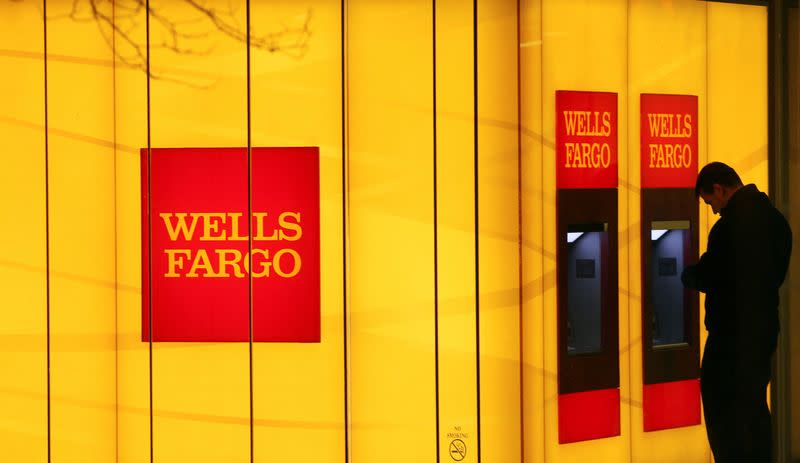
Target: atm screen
x=587 y=249
x=669 y=241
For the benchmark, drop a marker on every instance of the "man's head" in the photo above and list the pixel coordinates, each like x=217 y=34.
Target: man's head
x=716 y=183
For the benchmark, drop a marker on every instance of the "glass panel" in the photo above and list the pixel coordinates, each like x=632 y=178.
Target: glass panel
x=201 y=400
x=585 y=245
x=296 y=102
x=668 y=244
x=23 y=282
x=81 y=216
x=390 y=191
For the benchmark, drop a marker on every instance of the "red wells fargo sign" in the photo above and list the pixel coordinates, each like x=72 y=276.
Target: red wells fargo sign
x=669 y=141
x=586 y=139
x=197 y=263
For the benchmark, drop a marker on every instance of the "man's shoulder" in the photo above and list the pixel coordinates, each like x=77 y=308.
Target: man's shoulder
x=719 y=227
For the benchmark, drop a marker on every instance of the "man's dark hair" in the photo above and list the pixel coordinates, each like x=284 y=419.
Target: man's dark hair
x=716 y=172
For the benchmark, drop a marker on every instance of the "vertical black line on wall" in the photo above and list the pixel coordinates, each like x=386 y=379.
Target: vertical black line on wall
x=628 y=199
x=250 y=234
x=116 y=241
x=520 y=253
x=435 y=241
x=47 y=223
x=477 y=247
x=343 y=13
x=149 y=229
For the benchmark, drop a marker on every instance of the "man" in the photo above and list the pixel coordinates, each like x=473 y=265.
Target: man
x=740 y=272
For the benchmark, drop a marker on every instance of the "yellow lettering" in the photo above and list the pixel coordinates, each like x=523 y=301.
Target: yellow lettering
x=260 y=222
x=606 y=123
x=655 y=124
x=211 y=222
x=669 y=161
x=687 y=125
x=673 y=156
x=235 y=216
x=180 y=227
x=225 y=262
x=265 y=263
x=687 y=156
x=586 y=151
x=605 y=155
x=292 y=226
x=570 y=120
x=581 y=123
x=174 y=261
x=277 y=263
x=201 y=262
x=653 y=151
x=587 y=155
x=569 y=154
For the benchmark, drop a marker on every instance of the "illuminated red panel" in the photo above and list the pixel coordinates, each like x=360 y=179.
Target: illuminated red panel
x=668 y=135
x=588 y=415
x=586 y=139
x=198 y=221
x=671 y=405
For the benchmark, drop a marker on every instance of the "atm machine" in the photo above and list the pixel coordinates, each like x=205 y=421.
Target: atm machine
x=587 y=266
x=669 y=242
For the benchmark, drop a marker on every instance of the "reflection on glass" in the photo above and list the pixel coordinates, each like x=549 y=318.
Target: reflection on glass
x=668 y=241
x=585 y=251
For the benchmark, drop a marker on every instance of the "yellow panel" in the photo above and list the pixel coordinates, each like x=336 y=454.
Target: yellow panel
x=201 y=395
x=390 y=154
x=737 y=120
x=82 y=273
x=23 y=306
x=585 y=48
x=532 y=252
x=133 y=358
x=298 y=392
x=458 y=406
x=678 y=31
x=498 y=211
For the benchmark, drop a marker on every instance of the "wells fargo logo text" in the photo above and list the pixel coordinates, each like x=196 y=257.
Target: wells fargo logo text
x=666 y=149
x=586 y=154
x=268 y=228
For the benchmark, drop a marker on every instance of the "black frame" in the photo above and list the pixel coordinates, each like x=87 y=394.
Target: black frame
x=589 y=372
x=681 y=362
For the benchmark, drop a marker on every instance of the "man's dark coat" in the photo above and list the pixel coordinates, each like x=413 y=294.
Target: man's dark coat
x=741 y=271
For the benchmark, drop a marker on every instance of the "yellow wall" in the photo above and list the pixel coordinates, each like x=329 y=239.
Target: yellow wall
x=679 y=67
x=200 y=390
x=299 y=388
x=456 y=227
x=23 y=245
x=305 y=402
x=80 y=112
x=498 y=213
x=737 y=79
x=390 y=230
x=583 y=48
x=133 y=356
x=532 y=248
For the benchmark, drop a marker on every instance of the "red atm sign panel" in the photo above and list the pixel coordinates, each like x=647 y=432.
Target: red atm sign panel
x=197 y=261
x=586 y=139
x=669 y=141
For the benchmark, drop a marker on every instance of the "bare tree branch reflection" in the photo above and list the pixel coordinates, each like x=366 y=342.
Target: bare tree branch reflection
x=121 y=24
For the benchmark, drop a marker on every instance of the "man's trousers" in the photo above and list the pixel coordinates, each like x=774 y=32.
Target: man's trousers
x=734 y=391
